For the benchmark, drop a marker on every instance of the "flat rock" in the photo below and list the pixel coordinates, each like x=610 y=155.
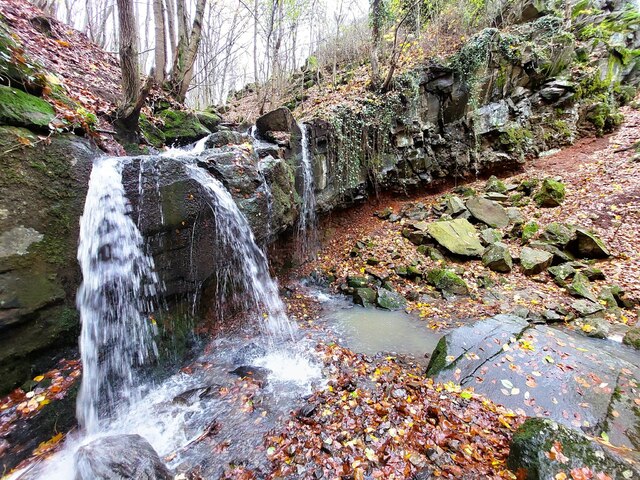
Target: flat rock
x=588 y=245
x=538 y=370
x=390 y=300
x=488 y=211
x=458 y=236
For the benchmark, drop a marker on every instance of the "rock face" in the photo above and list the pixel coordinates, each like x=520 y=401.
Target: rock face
x=42 y=190
x=458 y=236
x=117 y=457
x=541 y=371
x=20 y=109
x=543 y=449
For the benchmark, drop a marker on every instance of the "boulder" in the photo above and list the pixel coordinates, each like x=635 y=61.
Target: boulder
x=497 y=258
x=559 y=256
x=562 y=272
x=588 y=245
x=534 y=261
x=19 y=109
x=596 y=327
x=119 y=456
x=489 y=236
x=278 y=120
x=390 y=300
x=488 y=211
x=515 y=216
x=543 y=449
x=225 y=137
x=358 y=281
x=551 y=194
x=528 y=231
x=586 y=307
x=457 y=236
x=447 y=282
x=209 y=120
x=558 y=234
x=364 y=296
x=581 y=287
x=453 y=205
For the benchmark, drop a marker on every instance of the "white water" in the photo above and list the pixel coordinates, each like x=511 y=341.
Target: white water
x=307 y=221
x=117 y=336
x=114 y=299
x=245 y=263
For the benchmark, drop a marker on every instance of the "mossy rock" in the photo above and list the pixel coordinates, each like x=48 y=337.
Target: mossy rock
x=42 y=194
x=632 y=338
x=558 y=234
x=19 y=109
x=181 y=127
x=497 y=258
x=551 y=194
x=151 y=133
x=531 y=456
x=209 y=120
x=534 y=261
x=494 y=184
x=447 y=282
x=390 y=300
x=529 y=230
x=365 y=297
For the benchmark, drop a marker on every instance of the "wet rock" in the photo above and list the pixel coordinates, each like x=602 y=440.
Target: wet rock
x=384 y=214
x=558 y=234
x=225 y=137
x=494 y=184
x=489 y=212
x=588 y=245
x=390 y=300
x=606 y=298
x=181 y=127
x=364 y=296
x=537 y=368
x=534 y=261
x=551 y=194
x=595 y=327
x=447 y=282
x=632 y=338
x=497 y=258
x=623 y=299
x=489 y=236
x=532 y=444
x=457 y=236
x=278 y=120
x=581 y=287
x=195 y=394
x=248 y=353
x=117 y=457
x=528 y=231
x=259 y=374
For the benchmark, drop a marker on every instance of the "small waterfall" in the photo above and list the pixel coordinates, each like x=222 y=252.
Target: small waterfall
x=245 y=269
x=114 y=300
x=307 y=221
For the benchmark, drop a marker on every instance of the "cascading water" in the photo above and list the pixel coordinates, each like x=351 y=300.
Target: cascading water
x=245 y=263
x=114 y=299
x=307 y=221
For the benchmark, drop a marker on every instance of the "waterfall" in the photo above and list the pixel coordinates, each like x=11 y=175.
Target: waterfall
x=114 y=299
x=307 y=221
x=245 y=265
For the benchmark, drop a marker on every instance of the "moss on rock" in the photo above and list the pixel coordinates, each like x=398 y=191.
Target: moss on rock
x=20 y=109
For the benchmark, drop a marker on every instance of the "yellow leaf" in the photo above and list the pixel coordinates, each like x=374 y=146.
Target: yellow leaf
x=39 y=378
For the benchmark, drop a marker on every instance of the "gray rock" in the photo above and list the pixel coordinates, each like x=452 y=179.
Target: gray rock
x=497 y=258
x=457 y=236
x=489 y=236
x=595 y=327
x=562 y=272
x=493 y=116
x=488 y=212
x=117 y=457
x=447 y=281
x=534 y=261
x=494 y=184
x=586 y=307
x=558 y=234
x=18 y=240
x=581 y=287
x=515 y=216
x=453 y=205
x=390 y=300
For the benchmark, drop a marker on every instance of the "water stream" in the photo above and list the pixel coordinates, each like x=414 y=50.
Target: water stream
x=307 y=221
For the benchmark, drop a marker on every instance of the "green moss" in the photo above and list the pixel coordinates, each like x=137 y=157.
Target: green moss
x=20 y=109
x=516 y=138
x=438 y=361
x=529 y=230
x=181 y=127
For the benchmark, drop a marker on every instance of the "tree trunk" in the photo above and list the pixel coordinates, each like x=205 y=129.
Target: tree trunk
x=161 y=44
x=186 y=50
x=171 y=25
x=376 y=30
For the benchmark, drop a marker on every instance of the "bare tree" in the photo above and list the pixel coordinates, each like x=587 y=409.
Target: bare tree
x=376 y=33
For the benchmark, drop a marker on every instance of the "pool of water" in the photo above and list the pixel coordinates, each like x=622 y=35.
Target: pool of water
x=371 y=330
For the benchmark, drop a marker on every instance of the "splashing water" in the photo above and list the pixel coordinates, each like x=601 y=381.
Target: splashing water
x=307 y=221
x=114 y=299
